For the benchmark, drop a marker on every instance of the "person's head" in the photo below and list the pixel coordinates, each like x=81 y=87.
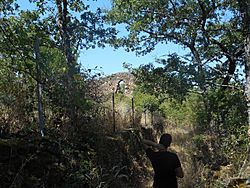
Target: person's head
x=165 y=140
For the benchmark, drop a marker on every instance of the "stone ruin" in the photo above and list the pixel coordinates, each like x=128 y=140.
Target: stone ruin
x=122 y=82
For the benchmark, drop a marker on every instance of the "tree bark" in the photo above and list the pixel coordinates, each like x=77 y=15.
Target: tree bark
x=39 y=87
x=63 y=21
x=245 y=12
x=247 y=65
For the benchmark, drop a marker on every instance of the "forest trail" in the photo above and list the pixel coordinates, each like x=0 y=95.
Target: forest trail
x=196 y=152
x=182 y=138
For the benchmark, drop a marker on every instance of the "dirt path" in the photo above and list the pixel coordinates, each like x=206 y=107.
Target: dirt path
x=182 y=146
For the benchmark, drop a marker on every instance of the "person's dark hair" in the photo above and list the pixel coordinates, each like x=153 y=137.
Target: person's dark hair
x=166 y=140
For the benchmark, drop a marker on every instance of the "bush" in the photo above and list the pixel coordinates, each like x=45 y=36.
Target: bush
x=182 y=112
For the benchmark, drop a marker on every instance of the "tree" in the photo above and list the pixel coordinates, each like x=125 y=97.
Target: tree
x=61 y=36
x=77 y=32
x=210 y=30
x=174 y=78
x=18 y=49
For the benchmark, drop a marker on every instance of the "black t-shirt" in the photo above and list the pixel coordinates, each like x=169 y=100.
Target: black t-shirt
x=164 y=164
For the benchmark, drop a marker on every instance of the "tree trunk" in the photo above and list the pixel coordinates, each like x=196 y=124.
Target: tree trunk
x=39 y=88
x=245 y=12
x=247 y=65
x=247 y=54
x=63 y=21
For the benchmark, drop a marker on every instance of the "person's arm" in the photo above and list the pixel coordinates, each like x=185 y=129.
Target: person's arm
x=179 y=172
x=151 y=143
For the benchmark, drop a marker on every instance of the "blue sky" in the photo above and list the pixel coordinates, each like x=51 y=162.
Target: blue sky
x=109 y=60
x=112 y=60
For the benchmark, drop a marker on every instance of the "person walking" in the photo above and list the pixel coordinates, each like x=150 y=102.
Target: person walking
x=166 y=165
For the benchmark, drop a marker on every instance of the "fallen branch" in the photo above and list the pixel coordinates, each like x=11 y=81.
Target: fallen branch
x=20 y=170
